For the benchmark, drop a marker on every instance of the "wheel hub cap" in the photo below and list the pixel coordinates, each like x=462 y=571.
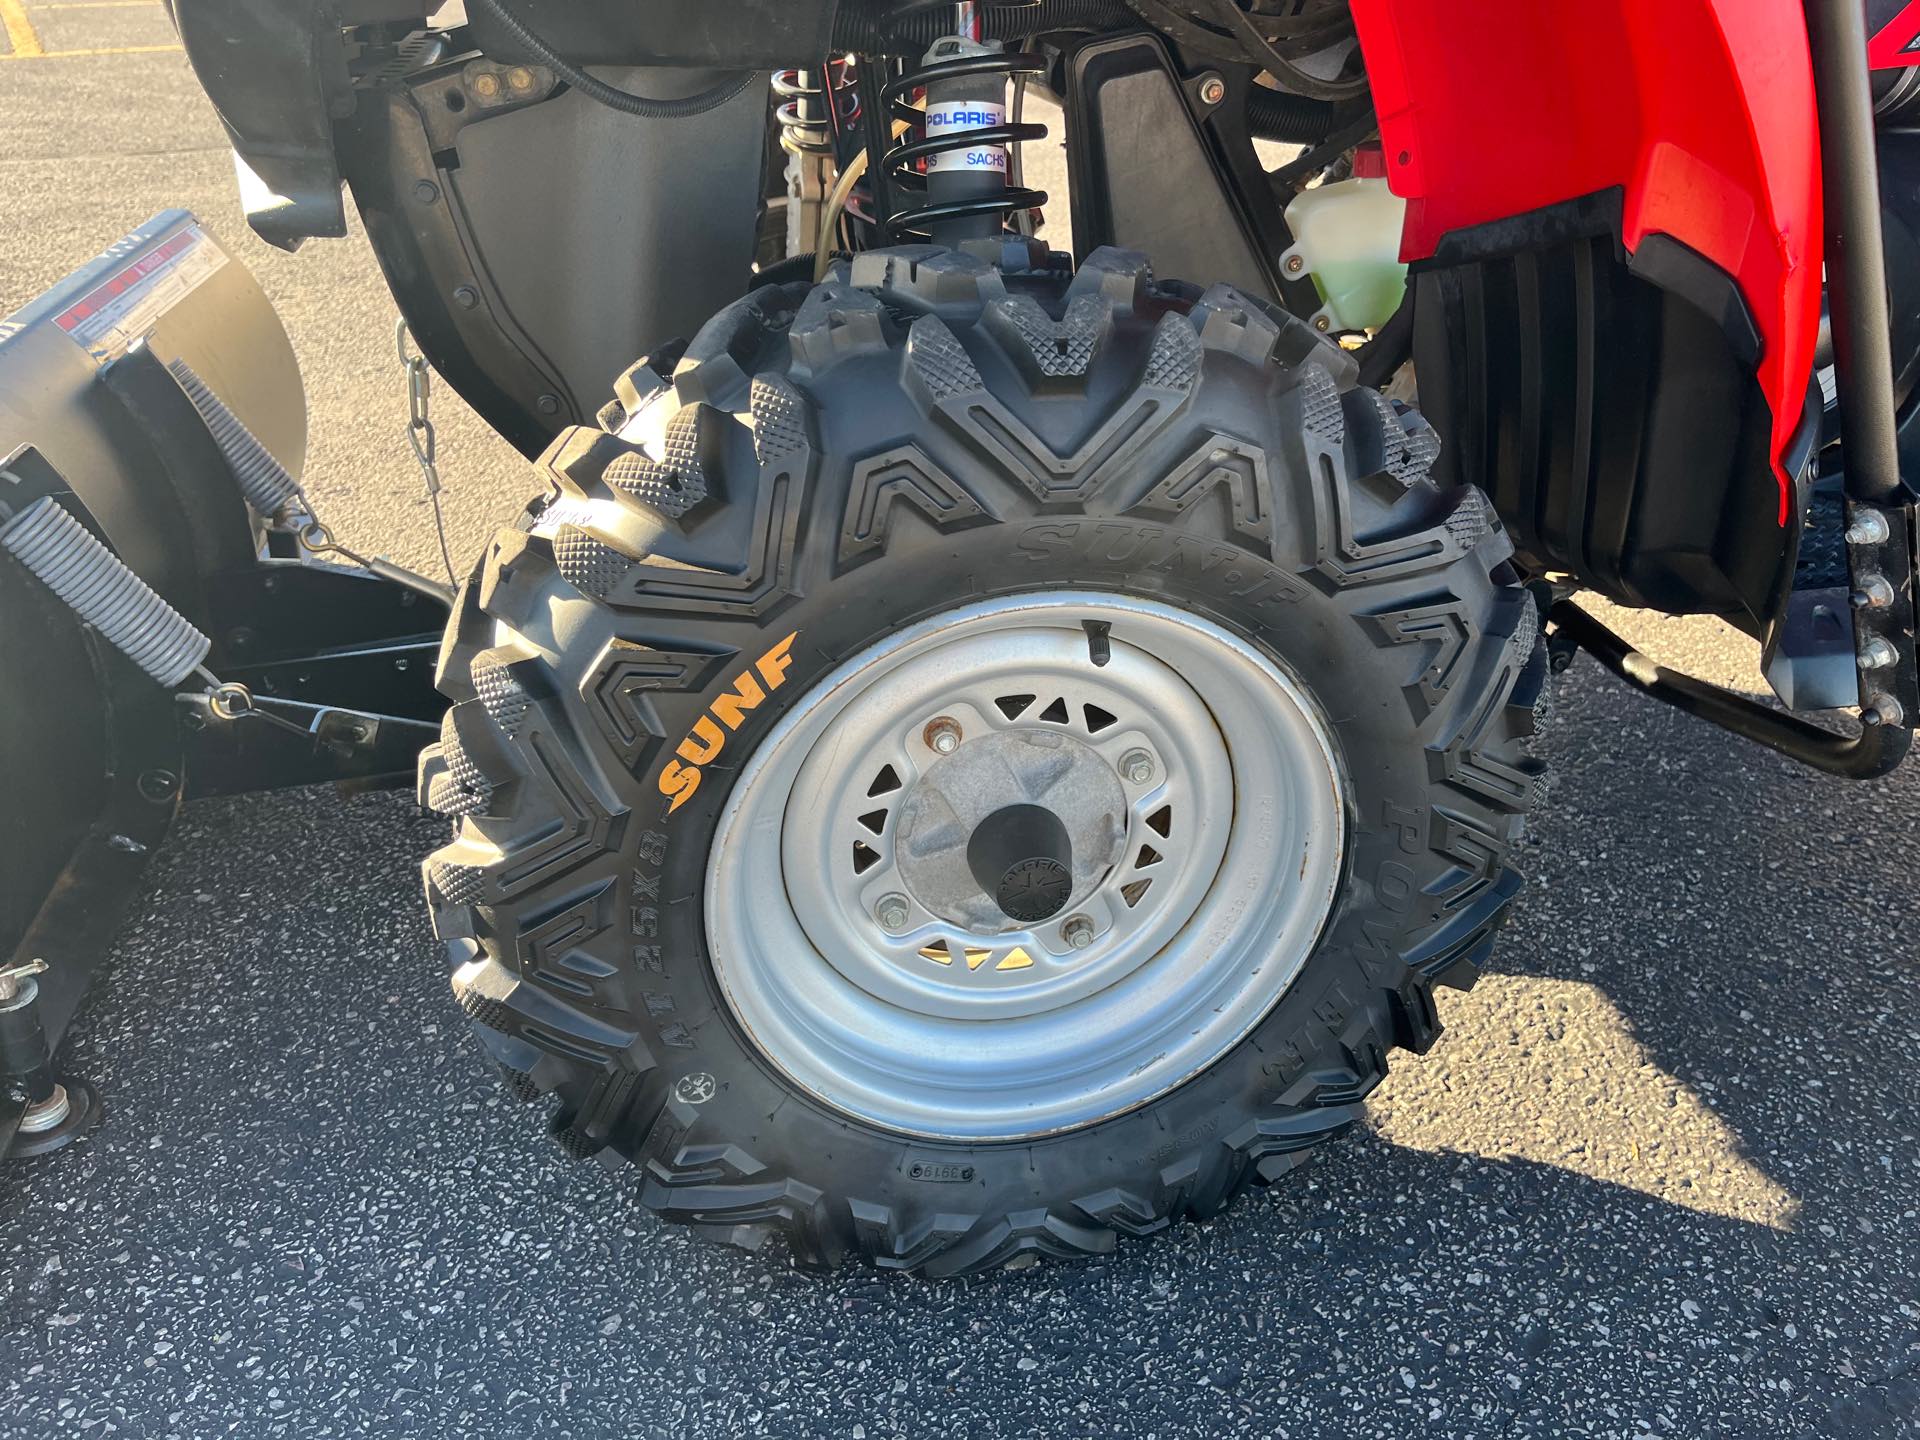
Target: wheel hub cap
x=1010 y=827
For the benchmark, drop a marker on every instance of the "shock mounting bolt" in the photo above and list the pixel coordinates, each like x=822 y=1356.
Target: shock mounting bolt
x=942 y=735
x=1077 y=932
x=1874 y=593
x=1212 y=90
x=1137 y=767
x=1869 y=527
x=11 y=975
x=1877 y=654
x=892 y=912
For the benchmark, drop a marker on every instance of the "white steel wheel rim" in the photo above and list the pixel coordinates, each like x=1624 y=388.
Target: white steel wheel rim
x=1018 y=1032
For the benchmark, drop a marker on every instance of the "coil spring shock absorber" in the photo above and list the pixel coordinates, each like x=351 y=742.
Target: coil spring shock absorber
x=815 y=105
x=963 y=193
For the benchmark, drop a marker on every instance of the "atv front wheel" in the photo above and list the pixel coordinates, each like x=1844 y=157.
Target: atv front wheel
x=975 y=763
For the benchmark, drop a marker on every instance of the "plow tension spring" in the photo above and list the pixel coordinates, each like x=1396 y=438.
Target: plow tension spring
x=102 y=591
x=269 y=489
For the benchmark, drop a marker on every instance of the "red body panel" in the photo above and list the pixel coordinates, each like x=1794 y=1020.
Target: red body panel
x=1702 y=111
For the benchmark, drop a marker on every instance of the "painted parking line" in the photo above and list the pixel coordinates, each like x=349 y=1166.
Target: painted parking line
x=24 y=43
x=81 y=54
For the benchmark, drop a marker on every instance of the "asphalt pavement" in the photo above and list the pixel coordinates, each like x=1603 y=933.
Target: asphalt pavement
x=1657 y=1179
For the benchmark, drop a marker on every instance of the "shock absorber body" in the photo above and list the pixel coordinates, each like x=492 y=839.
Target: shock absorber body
x=963 y=192
x=963 y=186
x=964 y=106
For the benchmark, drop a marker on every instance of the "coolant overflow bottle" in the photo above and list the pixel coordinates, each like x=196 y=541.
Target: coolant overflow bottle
x=1347 y=237
x=966 y=172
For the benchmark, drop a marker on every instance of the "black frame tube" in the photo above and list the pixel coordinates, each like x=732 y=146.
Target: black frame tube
x=1866 y=756
x=1855 y=250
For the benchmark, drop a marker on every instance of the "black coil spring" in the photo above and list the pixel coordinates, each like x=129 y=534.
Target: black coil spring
x=813 y=111
x=901 y=163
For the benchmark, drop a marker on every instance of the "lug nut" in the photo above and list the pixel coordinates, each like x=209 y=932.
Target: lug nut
x=1877 y=654
x=942 y=735
x=1077 y=932
x=1869 y=527
x=1137 y=767
x=892 y=912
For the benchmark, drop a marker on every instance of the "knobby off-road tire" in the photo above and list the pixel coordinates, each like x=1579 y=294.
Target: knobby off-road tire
x=836 y=465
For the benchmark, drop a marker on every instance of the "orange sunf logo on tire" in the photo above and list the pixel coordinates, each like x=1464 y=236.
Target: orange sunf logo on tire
x=712 y=730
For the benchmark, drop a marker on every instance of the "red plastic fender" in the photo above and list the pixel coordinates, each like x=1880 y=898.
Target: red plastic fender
x=1702 y=111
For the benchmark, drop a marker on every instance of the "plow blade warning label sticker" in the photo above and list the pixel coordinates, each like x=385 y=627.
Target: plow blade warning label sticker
x=949 y=118
x=123 y=307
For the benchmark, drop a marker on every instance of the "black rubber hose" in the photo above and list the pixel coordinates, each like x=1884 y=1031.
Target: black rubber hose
x=1279 y=66
x=863 y=30
x=1294 y=119
x=1389 y=349
x=627 y=103
x=784 y=271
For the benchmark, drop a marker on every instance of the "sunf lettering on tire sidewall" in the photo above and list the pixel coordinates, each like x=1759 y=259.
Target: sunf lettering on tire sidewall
x=746 y=690
x=666 y=937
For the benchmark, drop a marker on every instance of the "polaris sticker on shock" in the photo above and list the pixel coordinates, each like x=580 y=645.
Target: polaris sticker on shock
x=708 y=738
x=946 y=118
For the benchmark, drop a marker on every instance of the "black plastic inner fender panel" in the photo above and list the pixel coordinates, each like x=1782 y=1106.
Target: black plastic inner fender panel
x=1609 y=406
